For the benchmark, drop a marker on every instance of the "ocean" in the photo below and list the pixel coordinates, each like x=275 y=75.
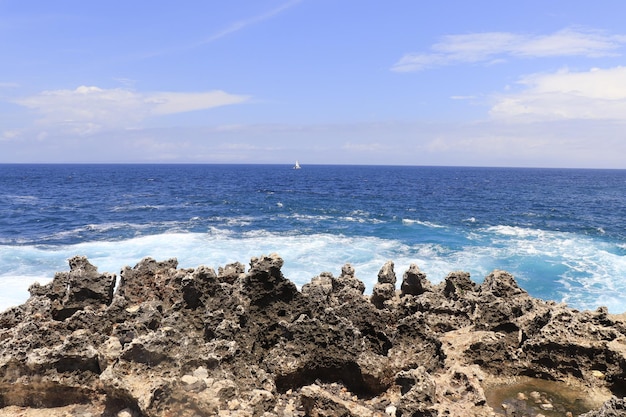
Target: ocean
x=560 y=232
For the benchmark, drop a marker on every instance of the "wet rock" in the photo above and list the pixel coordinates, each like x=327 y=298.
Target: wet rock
x=385 y=288
x=320 y=287
x=265 y=283
x=80 y=288
x=414 y=281
x=348 y=281
x=458 y=285
x=615 y=407
x=382 y=292
x=231 y=272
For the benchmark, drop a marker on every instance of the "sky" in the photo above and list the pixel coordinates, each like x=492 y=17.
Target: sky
x=402 y=82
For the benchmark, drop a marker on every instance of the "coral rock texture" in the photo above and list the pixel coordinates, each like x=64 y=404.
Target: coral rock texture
x=164 y=341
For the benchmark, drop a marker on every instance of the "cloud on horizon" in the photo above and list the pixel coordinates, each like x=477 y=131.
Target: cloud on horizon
x=494 y=142
x=89 y=109
x=489 y=47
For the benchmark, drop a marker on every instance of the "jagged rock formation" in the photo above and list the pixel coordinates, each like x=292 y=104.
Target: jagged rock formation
x=193 y=342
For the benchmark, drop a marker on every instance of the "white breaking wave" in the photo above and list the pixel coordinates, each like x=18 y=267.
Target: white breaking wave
x=306 y=256
x=516 y=231
x=423 y=223
x=562 y=266
x=590 y=273
x=21 y=199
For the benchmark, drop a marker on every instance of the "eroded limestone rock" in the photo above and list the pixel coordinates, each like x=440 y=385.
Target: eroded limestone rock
x=193 y=342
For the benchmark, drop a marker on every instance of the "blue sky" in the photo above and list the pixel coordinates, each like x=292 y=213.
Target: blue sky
x=476 y=83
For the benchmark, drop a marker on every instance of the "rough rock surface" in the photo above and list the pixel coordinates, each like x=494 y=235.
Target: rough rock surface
x=193 y=342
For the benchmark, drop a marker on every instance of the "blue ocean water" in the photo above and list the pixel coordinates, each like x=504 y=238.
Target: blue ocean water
x=559 y=231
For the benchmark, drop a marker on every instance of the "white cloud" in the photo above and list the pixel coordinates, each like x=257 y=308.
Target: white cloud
x=495 y=46
x=87 y=110
x=495 y=142
x=234 y=27
x=565 y=143
x=570 y=42
x=10 y=134
x=170 y=103
x=242 y=24
x=595 y=94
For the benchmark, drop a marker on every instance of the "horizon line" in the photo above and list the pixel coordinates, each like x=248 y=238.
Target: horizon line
x=314 y=165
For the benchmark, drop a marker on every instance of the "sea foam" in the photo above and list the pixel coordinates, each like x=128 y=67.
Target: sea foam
x=550 y=265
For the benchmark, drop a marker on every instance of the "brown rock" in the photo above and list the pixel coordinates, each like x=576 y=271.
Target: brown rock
x=190 y=342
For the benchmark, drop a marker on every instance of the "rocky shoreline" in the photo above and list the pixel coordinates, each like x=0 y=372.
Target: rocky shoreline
x=164 y=341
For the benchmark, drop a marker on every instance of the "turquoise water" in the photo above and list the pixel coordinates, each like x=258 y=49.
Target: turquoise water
x=559 y=231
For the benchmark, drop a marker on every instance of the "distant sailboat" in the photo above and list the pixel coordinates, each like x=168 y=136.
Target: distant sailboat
x=297 y=165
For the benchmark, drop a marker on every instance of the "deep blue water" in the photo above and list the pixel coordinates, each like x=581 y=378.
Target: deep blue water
x=559 y=231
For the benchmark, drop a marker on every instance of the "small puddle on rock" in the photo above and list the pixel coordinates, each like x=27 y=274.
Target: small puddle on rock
x=530 y=397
